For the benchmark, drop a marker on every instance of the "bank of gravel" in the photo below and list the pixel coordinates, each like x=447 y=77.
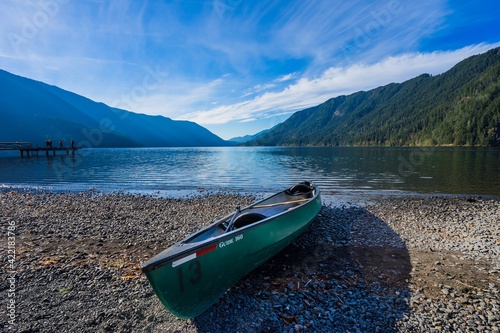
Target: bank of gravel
x=395 y=265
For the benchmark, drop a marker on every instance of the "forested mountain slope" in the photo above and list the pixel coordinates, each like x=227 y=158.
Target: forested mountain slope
x=458 y=107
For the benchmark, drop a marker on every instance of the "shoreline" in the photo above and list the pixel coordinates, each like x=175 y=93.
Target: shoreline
x=356 y=196
x=394 y=264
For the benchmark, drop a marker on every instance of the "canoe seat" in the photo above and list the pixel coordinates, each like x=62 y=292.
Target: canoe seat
x=247 y=218
x=300 y=190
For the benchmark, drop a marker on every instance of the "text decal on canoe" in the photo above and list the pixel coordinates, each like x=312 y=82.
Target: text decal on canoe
x=192 y=256
x=205 y=250
x=230 y=241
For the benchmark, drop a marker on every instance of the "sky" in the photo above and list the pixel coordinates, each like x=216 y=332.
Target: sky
x=237 y=67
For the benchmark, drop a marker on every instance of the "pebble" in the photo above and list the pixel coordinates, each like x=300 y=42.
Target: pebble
x=391 y=265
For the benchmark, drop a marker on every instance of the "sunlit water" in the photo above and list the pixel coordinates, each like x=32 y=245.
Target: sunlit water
x=337 y=170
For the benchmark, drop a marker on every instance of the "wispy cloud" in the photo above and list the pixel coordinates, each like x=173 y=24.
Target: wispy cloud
x=333 y=82
x=171 y=97
x=286 y=77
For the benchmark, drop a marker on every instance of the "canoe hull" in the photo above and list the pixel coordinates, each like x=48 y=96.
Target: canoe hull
x=189 y=285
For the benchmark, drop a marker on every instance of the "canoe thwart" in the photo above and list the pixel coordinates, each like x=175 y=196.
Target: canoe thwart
x=281 y=203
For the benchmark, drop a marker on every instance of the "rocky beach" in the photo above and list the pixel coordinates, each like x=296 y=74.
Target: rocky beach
x=71 y=263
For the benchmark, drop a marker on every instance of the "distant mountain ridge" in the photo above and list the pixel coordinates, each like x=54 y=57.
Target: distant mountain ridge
x=246 y=138
x=33 y=111
x=458 y=107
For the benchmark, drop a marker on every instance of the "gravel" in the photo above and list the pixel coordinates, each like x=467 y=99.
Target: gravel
x=397 y=264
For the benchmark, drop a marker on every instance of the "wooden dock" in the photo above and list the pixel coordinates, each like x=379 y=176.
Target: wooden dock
x=27 y=147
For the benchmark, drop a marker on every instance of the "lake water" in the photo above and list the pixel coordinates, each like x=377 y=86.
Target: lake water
x=349 y=171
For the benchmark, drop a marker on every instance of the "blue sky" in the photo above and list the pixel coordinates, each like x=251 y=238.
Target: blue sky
x=237 y=66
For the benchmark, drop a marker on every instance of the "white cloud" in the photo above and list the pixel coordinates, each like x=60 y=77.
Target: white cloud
x=335 y=81
x=286 y=77
x=170 y=97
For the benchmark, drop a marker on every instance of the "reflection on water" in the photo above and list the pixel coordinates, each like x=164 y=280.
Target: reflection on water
x=262 y=169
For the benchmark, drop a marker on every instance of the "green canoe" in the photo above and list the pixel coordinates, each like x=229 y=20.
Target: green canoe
x=193 y=274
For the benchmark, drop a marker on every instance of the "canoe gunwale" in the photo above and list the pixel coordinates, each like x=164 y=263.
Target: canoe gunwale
x=184 y=247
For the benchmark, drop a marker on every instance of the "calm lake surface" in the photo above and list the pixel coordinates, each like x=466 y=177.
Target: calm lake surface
x=337 y=170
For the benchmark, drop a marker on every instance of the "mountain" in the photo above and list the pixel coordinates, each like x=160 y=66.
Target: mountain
x=458 y=107
x=246 y=138
x=33 y=111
